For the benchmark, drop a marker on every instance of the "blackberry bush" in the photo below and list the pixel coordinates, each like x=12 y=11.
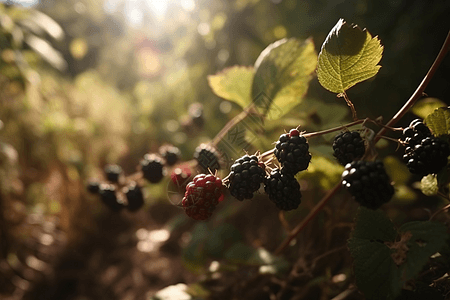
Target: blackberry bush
x=427 y=157
x=368 y=183
x=207 y=158
x=202 y=195
x=245 y=177
x=348 y=146
x=283 y=189
x=291 y=150
x=152 y=167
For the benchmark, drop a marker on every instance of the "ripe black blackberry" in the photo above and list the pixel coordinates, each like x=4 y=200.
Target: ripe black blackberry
x=152 y=167
x=207 y=158
x=415 y=133
x=134 y=196
x=291 y=150
x=348 y=146
x=245 y=177
x=368 y=183
x=427 y=157
x=108 y=196
x=113 y=173
x=93 y=187
x=283 y=189
x=171 y=154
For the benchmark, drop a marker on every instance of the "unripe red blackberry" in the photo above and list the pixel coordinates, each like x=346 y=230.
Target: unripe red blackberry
x=207 y=158
x=152 y=167
x=93 y=187
x=202 y=195
x=245 y=177
x=181 y=176
x=108 y=196
x=113 y=173
x=427 y=157
x=368 y=183
x=291 y=150
x=283 y=189
x=134 y=196
x=171 y=154
x=348 y=146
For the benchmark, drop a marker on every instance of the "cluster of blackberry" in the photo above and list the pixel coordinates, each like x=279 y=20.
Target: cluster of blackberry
x=119 y=192
x=424 y=153
x=248 y=173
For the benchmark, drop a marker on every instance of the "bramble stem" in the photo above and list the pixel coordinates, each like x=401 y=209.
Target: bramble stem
x=439 y=211
x=414 y=97
x=317 y=133
x=350 y=104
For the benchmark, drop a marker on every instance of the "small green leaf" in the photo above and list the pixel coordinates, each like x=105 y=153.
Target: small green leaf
x=283 y=72
x=429 y=185
x=348 y=56
x=426 y=106
x=427 y=238
x=439 y=121
x=233 y=84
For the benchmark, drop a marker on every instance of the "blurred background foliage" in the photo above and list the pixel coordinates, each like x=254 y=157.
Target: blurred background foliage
x=84 y=83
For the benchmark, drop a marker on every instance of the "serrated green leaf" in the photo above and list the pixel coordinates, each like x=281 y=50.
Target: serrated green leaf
x=233 y=84
x=348 y=56
x=377 y=275
x=427 y=238
x=426 y=106
x=439 y=121
x=429 y=185
x=239 y=253
x=283 y=72
x=373 y=225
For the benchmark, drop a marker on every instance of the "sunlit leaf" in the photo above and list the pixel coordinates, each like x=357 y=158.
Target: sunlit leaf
x=426 y=106
x=46 y=51
x=427 y=238
x=439 y=121
x=233 y=84
x=429 y=185
x=48 y=24
x=283 y=72
x=348 y=56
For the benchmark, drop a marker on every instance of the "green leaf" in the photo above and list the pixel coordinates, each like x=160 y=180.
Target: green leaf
x=221 y=238
x=283 y=72
x=239 y=253
x=429 y=185
x=348 y=56
x=439 y=121
x=377 y=275
x=427 y=239
x=426 y=106
x=233 y=84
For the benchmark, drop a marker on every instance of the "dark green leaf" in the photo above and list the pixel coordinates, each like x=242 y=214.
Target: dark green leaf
x=221 y=238
x=373 y=225
x=348 y=56
x=239 y=253
x=283 y=72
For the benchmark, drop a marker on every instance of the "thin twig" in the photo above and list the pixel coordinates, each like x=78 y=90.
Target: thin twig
x=317 y=133
x=350 y=104
x=439 y=211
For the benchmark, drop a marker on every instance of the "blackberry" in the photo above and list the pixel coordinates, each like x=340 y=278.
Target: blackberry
x=368 y=183
x=427 y=157
x=283 y=189
x=93 y=187
x=113 y=173
x=291 y=150
x=202 y=195
x=171 y=154
x=109 y=197
x=134 y=196
x=348 y=146
x=207 y=158
x=152 y=167
x=245 y=177
x=415 y=133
